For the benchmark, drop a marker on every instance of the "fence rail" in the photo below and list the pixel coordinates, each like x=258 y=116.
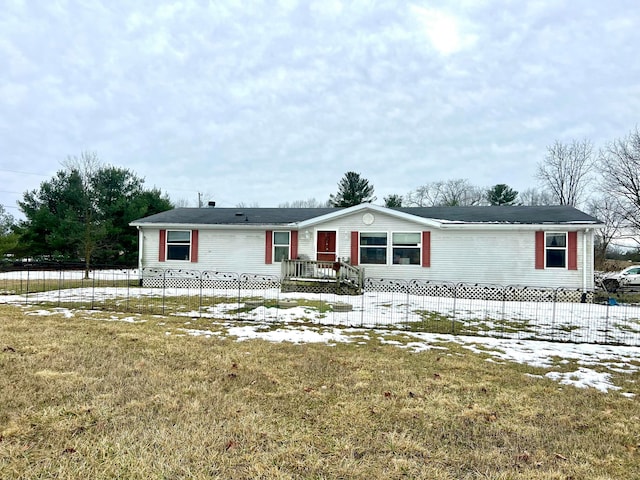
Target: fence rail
x=510 y=311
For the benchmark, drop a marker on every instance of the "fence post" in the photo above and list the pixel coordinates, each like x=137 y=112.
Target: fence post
x=93 y=291
x=453 y=317
x=60 y=286
x=504 y=308
x=26 y=296
x=129 y=289
x=606 y=320
x=553 y=313
x=239 y=277
x=406 y=307
x=200 y=283
x=164 y=286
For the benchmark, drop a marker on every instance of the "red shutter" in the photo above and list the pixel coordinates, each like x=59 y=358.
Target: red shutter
x=268 y=247
x=294 y=244
x=572 y=250
x=194 y=246
x=426 y=249
x=162 y=247
x=355 y=246
x=539 y=250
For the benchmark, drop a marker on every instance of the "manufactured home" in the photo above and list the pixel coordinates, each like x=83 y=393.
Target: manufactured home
x=549 y=246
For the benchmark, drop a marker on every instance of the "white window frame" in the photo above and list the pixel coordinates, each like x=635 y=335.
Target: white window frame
x=168 y=244
x=386 y=247
x=390 y=246
x=275 y=245
x=417 y=246
x=564 y=249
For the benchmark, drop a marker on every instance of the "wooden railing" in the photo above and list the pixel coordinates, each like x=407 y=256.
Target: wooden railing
x=322 y=271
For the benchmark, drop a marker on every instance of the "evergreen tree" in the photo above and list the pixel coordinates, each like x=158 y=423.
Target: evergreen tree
x=501 y=194
x=83 y=214
x=352 y=190
x=393 y=200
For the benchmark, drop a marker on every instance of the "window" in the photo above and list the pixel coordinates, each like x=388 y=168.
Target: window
x=373 y=248
x=555 y=250
x=406 y=248
x=178 y=244
x=281 y=243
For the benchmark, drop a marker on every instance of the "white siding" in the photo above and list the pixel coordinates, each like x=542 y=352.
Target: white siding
x=505 y=257
x=238 y=251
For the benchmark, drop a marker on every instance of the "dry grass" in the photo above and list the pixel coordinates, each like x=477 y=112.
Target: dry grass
x=82 y=398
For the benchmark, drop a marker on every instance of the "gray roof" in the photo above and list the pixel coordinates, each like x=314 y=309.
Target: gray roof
x=236 y=216
x=283 y=216
x=556 y=214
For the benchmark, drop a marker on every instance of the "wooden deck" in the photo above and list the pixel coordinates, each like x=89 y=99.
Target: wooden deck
x=321 y=277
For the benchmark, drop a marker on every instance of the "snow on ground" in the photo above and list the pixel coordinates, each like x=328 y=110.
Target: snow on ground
x=307 y=324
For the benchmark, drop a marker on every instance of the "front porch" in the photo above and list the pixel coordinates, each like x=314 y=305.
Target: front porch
x=321 y=277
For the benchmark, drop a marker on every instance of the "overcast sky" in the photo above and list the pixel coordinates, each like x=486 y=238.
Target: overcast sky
x=266 y=102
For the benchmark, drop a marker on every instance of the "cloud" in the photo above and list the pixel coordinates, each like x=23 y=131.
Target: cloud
x=445 y=31
x=272 y=103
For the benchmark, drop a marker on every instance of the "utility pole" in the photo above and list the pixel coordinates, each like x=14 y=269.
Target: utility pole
x=199 y=200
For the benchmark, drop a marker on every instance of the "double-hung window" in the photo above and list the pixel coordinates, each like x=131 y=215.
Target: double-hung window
x=281 y=246
x=555 y=250
x=178 y=244
x=406 y=248
x=373 y=248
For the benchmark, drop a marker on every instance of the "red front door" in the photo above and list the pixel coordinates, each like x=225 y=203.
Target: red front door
x=326 y=246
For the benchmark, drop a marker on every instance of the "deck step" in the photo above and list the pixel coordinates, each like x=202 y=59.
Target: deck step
x=319 y=286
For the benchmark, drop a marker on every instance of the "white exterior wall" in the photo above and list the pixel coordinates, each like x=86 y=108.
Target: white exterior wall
x=237 y=251
x=494 y=256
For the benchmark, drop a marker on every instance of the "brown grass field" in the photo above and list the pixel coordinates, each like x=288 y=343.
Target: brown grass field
x=87 y=398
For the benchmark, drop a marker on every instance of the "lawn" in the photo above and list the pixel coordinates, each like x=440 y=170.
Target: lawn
x=89 y=394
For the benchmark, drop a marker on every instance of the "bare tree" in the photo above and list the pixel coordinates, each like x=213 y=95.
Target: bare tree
x=533 y=197
x=607 y=209
x=181 y=202
x=87 y=165
x=423 y=196
x=620 y=167
x=457 y=192
x=8 y=237
x=565 y=170
x=309 y=203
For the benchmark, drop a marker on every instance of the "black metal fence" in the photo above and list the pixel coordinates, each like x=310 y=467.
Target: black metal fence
x=515 y=312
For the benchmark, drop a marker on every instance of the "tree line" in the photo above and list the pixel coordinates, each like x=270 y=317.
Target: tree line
x=604 y=182
x=83 y=212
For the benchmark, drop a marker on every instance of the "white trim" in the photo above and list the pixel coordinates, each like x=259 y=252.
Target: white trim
x=374 y=208
x=166 y=245
x=584 y=259
x=210 y=226
x=568 y=227
x=140 y=250
x=389 y=246
x=565 y=248
x=273 y=245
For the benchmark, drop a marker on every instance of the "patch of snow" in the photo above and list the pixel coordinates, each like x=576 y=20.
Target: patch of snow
x=583 y=378
x=296 y=325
